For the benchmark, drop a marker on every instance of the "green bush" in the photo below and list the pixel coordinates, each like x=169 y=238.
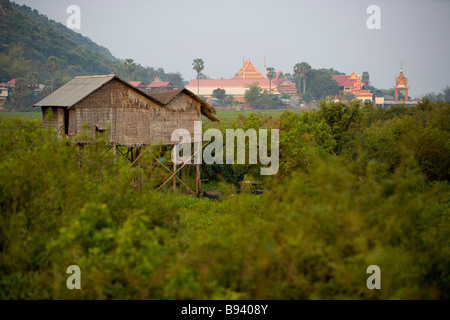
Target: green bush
x=357 y=187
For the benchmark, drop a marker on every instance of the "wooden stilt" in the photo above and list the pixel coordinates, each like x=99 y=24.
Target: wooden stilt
x=198 y=183
x=174 y=178
x=187 y=174
x=115 y=151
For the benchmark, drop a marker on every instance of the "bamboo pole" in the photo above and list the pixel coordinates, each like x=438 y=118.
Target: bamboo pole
x=198 y=182
x=170 y=178
x=179 y=180
x=174 y=175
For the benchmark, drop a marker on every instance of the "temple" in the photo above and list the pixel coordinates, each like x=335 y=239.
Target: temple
x=248 y=71
x=401 y=83
x=238 y=84
x=352 y=84
x=158 y=84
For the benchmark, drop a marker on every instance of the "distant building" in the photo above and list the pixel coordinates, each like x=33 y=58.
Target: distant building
x=352 y=84
x=401 y=83
x=283 y=85
x=238 y=84
x=157 y=84
x=5 y=87
x=133 y=117
x=3 y=92
x=138 y=84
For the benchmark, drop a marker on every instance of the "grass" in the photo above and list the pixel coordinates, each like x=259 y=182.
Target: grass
x=23 y=115
x=226 y=117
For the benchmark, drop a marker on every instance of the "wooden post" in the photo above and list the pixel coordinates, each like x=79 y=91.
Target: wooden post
x=198 y=183
x=174 y=177
x=187 y=175
x=114 y=151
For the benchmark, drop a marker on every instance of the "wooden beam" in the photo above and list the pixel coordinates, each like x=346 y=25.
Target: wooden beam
x=170 y=178
x=165 y=167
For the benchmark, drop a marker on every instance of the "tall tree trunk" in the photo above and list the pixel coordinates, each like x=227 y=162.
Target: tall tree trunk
x=304 y=84
x=198 y=84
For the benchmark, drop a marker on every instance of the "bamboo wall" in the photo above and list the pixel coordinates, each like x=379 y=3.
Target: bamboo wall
x=179 y=113
x=56 y=121
x=132 y=118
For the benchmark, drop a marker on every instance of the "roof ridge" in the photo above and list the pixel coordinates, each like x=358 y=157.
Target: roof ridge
x=96 y=76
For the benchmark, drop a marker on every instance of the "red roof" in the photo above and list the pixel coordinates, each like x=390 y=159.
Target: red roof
x=157 y=84
x=343 y=80
x=362 y=93
x=218 y=83
x=10 y=83
x=137 y=84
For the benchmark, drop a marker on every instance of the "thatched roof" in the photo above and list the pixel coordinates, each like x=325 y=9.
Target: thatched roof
x=165 y=97
x=74 y=91
x=79 y=88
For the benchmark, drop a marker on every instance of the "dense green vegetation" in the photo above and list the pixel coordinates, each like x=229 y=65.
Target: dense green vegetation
x=356 y=187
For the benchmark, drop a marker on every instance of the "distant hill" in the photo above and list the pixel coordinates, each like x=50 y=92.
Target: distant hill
x=29 y=39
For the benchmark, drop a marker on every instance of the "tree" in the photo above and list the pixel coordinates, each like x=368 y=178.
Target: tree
x=252 y=94
x=447 y=94
x=129 y=67
x=298 y=74
x=201 y=75
x=198 y=65
x=307 y=97
x=270 y=74
x=219 y=94
x=321 y=84
x=229 y=100
x=365 y=78
x=267 y=100
x=33 y=80
x=52 y=66
x=302 y=69
x=348 y=97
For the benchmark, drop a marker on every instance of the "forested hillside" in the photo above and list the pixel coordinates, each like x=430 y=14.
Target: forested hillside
x=35 y=50
x=29 y=39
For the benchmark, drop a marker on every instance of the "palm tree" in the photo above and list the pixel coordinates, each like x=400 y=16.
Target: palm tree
x=129 y=67
x=270 y=74
x=302 y=69
x=198 y=66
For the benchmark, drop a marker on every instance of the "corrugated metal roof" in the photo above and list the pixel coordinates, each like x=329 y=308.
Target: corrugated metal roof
x=74 y=91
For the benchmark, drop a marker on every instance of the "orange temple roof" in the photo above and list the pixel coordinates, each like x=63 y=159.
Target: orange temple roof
x=248 y=71
x=401 y=80
x=353 y=76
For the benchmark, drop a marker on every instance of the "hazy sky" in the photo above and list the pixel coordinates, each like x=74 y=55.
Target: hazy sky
x=171 y=33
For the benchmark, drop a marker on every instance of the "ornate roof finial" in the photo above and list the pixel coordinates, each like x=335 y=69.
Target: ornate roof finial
x=401 y=66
